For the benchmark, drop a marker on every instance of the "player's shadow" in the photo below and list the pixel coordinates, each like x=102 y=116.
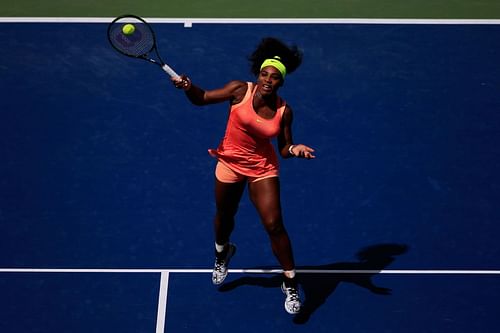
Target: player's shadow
x=317 y=287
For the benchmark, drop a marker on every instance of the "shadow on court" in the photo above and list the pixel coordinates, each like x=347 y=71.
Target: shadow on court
x=317 y=287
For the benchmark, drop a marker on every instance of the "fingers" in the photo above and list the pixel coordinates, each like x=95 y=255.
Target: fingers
x=308 y=153
x=303 y=151
x=182 y=82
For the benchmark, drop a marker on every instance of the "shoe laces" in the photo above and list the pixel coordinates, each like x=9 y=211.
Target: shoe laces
x=292 y=293
x=220 y=264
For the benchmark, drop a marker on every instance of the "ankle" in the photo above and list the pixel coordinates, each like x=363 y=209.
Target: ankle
x=289 y=273
x=220 y=248
x=290 y=282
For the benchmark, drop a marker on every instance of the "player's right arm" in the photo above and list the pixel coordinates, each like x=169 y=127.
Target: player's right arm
x=233 y=91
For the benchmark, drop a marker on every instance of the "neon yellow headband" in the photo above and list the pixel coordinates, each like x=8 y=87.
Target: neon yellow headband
x=276 y=63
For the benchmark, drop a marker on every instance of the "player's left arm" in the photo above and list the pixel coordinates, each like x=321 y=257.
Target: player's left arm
x=285 y=139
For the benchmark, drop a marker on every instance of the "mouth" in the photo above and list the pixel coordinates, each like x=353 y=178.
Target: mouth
x=267 y=87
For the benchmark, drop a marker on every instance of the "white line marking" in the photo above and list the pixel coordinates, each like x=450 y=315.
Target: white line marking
x=252 y=271
x=188 y=22
x=162 y=302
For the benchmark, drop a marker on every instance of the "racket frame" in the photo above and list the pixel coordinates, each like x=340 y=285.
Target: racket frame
x=144 y=56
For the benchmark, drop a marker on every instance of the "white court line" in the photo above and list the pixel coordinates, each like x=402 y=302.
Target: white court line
x=188 y=22
x=165 y=274
x=162 y=302
x=253 y=271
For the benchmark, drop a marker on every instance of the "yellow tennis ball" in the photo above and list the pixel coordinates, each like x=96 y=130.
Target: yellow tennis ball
x=128 y=29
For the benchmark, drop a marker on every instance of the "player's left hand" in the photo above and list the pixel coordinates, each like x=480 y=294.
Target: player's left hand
x=303 y=151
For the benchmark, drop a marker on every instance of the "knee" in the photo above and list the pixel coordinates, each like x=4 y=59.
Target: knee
x=226 y=212
x=224 y=216
x=274 y=227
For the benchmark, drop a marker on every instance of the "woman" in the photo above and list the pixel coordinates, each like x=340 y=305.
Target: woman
x=246 y=155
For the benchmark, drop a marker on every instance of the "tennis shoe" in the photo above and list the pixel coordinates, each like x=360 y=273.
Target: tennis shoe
x=292 y=301
x=221 y=264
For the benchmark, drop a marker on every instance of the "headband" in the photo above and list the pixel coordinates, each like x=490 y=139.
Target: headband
x=276 y=63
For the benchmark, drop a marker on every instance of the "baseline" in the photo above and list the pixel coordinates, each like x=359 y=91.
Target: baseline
x=188 y=22
x=251 y=271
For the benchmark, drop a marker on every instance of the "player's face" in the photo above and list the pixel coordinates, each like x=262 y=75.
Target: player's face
x=269 y=80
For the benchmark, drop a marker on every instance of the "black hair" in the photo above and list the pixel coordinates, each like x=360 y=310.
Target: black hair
x=270 y=47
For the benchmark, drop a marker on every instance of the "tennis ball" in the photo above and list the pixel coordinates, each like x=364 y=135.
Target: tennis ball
x=128 y=29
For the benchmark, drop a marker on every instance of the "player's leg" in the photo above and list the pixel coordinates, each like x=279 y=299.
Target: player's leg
x=227 y=199
x=229 y=188
x=265 y=195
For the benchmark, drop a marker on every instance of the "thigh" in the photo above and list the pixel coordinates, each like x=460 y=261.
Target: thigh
x=265 y=195
x=228 y=196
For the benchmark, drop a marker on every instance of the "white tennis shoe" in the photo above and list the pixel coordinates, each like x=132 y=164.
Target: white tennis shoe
x=220 y=267
x=292 y=301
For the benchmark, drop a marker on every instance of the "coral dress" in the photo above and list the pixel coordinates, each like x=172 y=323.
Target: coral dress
x=246 y=147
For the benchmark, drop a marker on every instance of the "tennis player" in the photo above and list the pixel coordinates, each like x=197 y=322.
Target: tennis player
x=246 y=155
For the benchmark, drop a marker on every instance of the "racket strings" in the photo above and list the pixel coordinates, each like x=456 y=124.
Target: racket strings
x=137 y=44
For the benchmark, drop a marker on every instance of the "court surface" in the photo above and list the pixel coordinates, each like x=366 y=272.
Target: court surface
x=106 y=185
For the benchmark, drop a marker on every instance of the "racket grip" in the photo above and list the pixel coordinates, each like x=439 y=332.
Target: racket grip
x=170 y=71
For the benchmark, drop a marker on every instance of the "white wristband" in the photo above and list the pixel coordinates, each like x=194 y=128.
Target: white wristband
x=290 y=150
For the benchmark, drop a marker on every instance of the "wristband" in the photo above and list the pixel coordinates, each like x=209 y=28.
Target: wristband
x=290 y=150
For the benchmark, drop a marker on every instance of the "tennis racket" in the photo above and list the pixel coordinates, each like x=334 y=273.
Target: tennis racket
x=132 y=36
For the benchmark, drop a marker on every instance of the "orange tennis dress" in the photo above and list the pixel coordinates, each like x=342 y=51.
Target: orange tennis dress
x=246 y=147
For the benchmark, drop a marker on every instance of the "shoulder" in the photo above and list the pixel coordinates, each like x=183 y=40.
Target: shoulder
x=287 y=115
x=288 y=112
x=238 y=90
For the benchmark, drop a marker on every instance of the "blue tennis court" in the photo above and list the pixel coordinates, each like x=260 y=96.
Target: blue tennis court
x=106 y=185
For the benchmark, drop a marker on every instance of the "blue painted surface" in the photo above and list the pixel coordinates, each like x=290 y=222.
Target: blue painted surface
x=416 y=304
x=78 y=302
x=104 y=163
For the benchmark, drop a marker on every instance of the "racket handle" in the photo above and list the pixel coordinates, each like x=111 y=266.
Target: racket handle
x=170 y=71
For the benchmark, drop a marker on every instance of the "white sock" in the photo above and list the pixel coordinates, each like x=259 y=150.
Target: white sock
x=219 y=248
x=289 y=274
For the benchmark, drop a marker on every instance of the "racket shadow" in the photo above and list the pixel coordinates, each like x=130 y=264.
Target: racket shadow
x=317 y=287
